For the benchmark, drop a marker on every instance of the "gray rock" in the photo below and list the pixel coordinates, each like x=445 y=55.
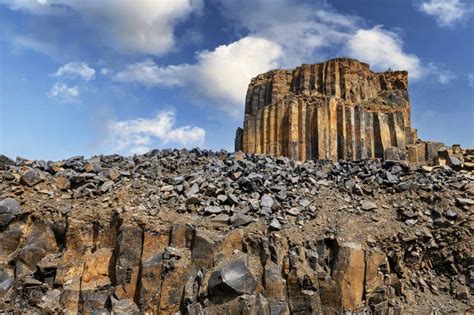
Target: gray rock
x=266 y=201
x=392 y=179
x=213 y=210
x=233 y=199
x=193 y=190
x=9 y=209
x=368 y=205
x=454 y=161
x=451 y=214
x=293 y=211
x=464 y=202
x=233 y=278
x=106 y=186
x=6 y=280
x=240 y=219
x=275 y=224
x=304 y=202
x=178 y=180
x=30 y=178
x=5 y=161
x=222 y=198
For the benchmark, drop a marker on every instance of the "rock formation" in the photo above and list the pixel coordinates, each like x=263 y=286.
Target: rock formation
x=204 y=232
x=338 y=109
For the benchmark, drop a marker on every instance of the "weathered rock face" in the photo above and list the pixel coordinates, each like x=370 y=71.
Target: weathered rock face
x=202 y=232
x=338 y=109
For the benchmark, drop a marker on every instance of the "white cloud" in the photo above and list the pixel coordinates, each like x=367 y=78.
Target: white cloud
x=79 y=69
x=282 y=34
x=138 y=135
x=301 y=29
x=64 y=93
x=223 y=75
x=149 y=73
x=140 y=26
x=446 y=12
x=104 y=71
x=220 y=76
x=383 y=49
x=470 y=79
x=442 y=75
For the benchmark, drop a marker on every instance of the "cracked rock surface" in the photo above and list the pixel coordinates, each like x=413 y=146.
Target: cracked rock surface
x=200 y=232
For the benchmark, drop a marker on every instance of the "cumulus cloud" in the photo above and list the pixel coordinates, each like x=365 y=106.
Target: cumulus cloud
x=220 y=76
x=446 y=12
x=223 y=74
x=138 y=135
x=64 y=93
x=281 y=33
x=76 y=69
x=383 y=49
x=302 y=29
x=140 y=26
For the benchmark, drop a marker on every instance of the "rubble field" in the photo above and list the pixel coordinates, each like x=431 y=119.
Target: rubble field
x=201 y=232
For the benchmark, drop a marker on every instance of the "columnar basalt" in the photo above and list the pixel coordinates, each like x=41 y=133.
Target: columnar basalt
x=338 y=109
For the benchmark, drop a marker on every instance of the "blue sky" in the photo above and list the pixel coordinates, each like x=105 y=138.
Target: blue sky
x=85 y=77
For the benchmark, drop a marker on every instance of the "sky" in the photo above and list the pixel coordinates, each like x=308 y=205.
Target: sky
x=88 y=77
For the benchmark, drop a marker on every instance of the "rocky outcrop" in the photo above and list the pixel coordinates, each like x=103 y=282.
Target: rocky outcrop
x=217 y=233
x=338 y=109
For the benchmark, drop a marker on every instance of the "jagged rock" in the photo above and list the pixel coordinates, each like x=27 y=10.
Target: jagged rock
x=30 y=177
x=82 y=250
x=275 y=224
x=232 y=278
x=5 y=161
x=9 y=209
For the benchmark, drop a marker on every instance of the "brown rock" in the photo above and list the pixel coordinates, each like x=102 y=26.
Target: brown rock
x=62 y=182
x=316 y=102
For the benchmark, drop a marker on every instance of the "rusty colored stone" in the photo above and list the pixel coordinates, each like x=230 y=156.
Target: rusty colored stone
x=338 y=109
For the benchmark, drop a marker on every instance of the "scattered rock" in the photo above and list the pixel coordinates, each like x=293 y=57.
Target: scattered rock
x=368 y=205
x=213 y=210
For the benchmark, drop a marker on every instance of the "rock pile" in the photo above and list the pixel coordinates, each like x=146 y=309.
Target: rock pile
x=203 y=232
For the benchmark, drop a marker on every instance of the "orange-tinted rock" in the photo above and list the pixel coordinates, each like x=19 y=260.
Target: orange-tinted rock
x=319 y=112
x=350 y=275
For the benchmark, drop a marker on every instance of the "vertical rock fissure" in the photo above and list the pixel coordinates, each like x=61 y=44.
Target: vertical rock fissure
x=136 y=297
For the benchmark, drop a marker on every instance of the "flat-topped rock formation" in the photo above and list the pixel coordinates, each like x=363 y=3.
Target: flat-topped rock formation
x=338 y=109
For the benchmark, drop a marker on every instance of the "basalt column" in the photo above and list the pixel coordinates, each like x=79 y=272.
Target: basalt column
x=338 y=109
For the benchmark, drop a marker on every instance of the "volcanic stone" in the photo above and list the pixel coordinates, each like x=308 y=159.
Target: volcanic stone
x=233 y=278
x=30 y=178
